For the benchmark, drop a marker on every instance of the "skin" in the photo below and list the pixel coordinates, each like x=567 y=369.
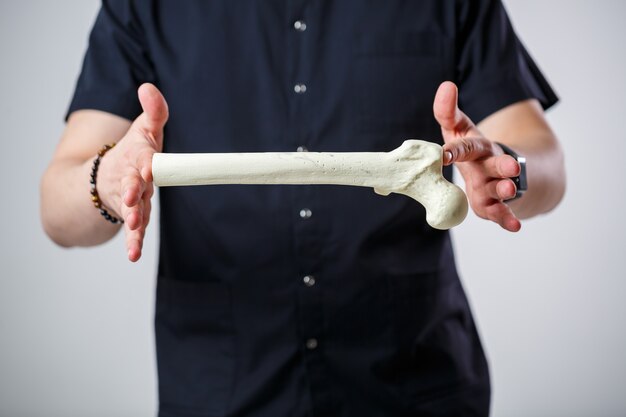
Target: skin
x=125 y=173
x=487 y=170
x=124 y=176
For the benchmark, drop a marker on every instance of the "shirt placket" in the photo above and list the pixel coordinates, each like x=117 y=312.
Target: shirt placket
x=308 y=209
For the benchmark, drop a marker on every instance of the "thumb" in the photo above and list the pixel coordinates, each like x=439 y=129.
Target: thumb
x=150 y=123
x=447 y=113
x=155 y=112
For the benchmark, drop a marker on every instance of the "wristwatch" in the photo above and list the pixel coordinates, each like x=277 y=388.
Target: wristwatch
x=521 y=181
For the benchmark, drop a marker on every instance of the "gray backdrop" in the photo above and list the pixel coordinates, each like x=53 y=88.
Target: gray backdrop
x=76 y=325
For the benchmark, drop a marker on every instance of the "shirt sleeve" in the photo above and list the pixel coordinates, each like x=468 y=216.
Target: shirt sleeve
x=493 y=67
x=116 y=63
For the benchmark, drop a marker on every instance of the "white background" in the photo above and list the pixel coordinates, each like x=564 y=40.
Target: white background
x=76 y=325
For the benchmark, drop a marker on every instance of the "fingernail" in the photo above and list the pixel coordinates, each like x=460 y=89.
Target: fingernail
x=447 y=156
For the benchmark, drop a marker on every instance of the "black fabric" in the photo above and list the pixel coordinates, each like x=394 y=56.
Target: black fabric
x=395 y=335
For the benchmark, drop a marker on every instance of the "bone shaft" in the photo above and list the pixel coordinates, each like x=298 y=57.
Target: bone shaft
x=354 y=168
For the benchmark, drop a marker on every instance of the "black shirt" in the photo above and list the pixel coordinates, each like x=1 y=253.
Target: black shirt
x=307 y=300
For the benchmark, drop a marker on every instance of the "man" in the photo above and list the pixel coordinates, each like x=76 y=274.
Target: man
x=317 y=300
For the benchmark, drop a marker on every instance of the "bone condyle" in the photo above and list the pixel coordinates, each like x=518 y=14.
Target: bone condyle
x=414 y=169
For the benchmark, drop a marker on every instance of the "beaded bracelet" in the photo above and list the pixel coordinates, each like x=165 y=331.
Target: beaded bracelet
x=95 y=198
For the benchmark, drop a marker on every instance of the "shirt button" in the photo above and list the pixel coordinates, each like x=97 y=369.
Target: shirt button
x=302 y=149
x=299 y=25
x=299 y=88
x=306 y=213
x=311 y=344
x=309 y=280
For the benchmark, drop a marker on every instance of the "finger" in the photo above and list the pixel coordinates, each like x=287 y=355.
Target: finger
x=146 y=212
x=447 y=113
x=132 y=189
x=132 y=216
x=135 y=216
x=501 y=213
x=134 y=244
x=132 y=204
x=138 y=218
x=503 y=166
x=467 y=149
x=144 y=164
x=500 y=189
x=149 y=191
x=155 y=112
x=133 y=236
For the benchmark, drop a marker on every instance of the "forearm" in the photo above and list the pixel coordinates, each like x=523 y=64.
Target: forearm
x=546 y=177
x=67 y=212
x=523 y=128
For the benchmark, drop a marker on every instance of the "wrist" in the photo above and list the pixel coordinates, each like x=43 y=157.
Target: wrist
x=98 y=182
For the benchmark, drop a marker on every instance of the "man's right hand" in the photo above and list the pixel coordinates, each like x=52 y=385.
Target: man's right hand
x=125 y=173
